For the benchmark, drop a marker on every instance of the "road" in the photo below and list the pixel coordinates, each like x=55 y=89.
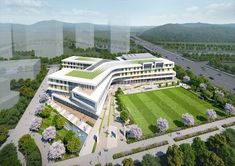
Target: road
x=218 y=78
x=24 y=123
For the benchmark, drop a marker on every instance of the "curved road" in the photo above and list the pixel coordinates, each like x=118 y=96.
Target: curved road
x=219 y=78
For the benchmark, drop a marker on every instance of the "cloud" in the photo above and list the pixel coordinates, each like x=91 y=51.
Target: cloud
x=26 y=3
x=192 y=9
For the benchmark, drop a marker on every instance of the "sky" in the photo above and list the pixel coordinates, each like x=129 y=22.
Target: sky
x=130 y=12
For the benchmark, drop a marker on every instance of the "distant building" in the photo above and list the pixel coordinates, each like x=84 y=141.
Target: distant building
x=119 y=39
x=84 y=33
x=45 y=38
x=19 y=37
x=16 y=69
x=6 y=41
x=8 y=98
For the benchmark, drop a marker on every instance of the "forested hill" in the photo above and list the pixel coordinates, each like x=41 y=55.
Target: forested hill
x=191 y=32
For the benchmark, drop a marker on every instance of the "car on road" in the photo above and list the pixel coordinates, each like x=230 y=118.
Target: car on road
x=211 y=78
x=188 y=67
x=219 y=74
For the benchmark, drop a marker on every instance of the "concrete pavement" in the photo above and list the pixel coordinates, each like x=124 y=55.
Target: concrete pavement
x=24 y=123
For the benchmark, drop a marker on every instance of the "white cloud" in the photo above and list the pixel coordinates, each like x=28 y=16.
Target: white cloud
x=26 y=3
x=192 y=9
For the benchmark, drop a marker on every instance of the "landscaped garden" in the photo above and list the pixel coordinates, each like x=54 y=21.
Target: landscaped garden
x=170 y=104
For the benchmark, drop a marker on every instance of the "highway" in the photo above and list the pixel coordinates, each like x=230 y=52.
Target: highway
x=218 y=78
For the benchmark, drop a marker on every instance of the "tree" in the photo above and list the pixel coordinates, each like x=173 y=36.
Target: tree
x=38 y=110
x=45 y=112
x=186 y=79
x=56 y=150
x=59 y=122
x=124 y=116
x=128 y=162
x=149 y=160
x=211 y=114
x=230 y=109
x=174 y=156
x=207 y=94
x=203 y=86
x=134 y=132
x=49 y=133
x=211 y=158
x=188 y=155
x=162 y=124
x=68 y=136
x=35 y=124
x=230 y=137
x=188 y=119
x=73 y=145
x=214 y=143
x=199 y=148
x=3 y=134
x=8 y=156
x=227 y=154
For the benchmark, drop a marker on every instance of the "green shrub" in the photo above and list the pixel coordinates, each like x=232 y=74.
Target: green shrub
x=8 y=156
x=29 y=149
x=3 y=134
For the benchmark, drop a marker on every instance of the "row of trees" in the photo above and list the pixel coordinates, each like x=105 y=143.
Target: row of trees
x=218 y=150
x=8 y=156
x=218 y=96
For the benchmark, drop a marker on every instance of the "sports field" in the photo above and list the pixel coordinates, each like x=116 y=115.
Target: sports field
x=147 y=107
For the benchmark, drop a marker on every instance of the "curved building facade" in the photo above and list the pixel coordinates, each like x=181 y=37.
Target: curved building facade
x=83 y=82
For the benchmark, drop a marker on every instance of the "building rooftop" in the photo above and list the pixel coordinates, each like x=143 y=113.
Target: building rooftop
x=137 y=56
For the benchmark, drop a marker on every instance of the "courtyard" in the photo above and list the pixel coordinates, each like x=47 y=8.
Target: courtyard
x=146 y=107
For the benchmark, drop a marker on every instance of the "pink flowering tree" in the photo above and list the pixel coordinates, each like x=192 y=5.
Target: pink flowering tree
x=134 y=131
x=188 y=119
x=186 y=79
x=211 y=114
x=35 y=124
x=56 y=150
x=38 y=110
x=162 y=124
x=230 y=109
x=49 y=133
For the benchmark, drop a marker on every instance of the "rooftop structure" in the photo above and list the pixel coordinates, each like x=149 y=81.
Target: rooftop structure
x=83 y=82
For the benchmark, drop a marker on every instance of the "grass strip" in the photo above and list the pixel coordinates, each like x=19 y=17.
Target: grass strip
x=187 y=136
x=139 y=149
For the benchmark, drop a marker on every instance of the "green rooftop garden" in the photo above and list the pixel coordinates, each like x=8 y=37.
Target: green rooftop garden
x=85 y=74
x=80 y=58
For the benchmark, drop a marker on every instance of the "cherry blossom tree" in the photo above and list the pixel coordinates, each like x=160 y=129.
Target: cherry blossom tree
x=203 y=86
x=188 y=119
x=162 y=124
x=230 y=109
x=133 y=131
x=186 y=79
x=35 y=124
x=211 y=114
x=219 y=93
x=49 y=133
x=39 y=109
x=56 y=150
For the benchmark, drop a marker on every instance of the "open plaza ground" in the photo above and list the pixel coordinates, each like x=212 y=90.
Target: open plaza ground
x=146 y=107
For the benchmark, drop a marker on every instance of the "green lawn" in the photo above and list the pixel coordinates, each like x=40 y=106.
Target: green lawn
x=84 y=74
x=147 y=107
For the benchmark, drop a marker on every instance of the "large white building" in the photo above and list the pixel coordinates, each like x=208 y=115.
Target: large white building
x=83 y=82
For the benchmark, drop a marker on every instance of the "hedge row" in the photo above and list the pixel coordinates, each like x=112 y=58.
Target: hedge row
x=228 y=124
x=139 y=149
x=195 y=134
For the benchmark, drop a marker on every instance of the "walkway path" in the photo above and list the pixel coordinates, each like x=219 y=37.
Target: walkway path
x=24 y=123
x=106 y=156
